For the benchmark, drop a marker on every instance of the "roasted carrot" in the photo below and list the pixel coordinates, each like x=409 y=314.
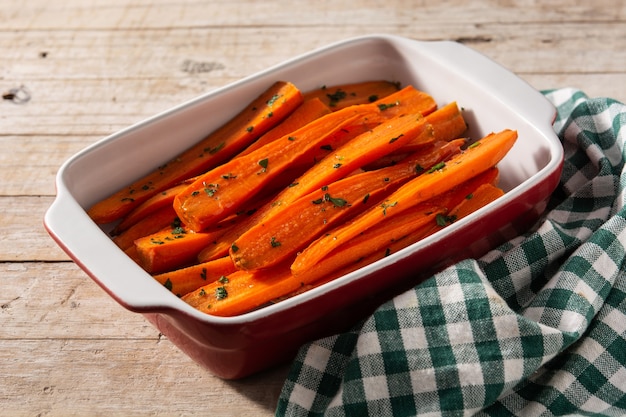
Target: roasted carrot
x=171 y=248
x=444 y=124
x=266 y=111
x=408 y=227
x=308 y=111
x=243 y=291
x=340 y=96
x=154 y=203
x=222 y=190
x=185 y=280
x=293 y=226
x=151 y=223
x=448 y=122
x=478 y=158
x=483 y=195
x=406 y=101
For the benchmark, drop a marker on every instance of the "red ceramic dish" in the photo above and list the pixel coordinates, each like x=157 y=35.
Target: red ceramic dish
x=232 y=347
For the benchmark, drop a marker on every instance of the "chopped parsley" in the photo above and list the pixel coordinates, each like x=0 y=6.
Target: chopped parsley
x=385 y=206
x=273 y=99
x=221 y=293
x=443 y=220
x=336 y=97
x=437 y=167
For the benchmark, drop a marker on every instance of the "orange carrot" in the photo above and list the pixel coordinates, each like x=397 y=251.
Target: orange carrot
x=185 y=280
x=340 y=96
x=444 y=124
x=408 y=227
x=408 y=100
x=223 y=190
x=154 y=203
x=483 y=195
x=171 y=248
x=357 y=152
x=269 y=109
x=151 y=223
x=448 y=122
x=242 y=291
x=293 y=226
x=478 y=158
x=306 y=113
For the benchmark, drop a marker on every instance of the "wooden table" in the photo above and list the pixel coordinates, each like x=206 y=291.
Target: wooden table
x=73 y=72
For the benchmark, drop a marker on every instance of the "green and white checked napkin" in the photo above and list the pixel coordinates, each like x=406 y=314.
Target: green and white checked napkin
x=536 y=327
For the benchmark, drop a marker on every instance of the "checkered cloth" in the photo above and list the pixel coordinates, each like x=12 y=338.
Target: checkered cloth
x=536 y=327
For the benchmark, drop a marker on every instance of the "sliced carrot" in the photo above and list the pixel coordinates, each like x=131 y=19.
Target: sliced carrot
x=151 y=223
x=171 y=248
x=222 y=191
x=308 y=111
x=357 y=152
x=483 y=195
x=480 y=157
x=266 y=111
x=407 y=227
x=444 y=124
x=243 y=291
x=408 y=100
x=448 y=122
x=340 y=96
x=293 y=226
x=154 y=203
x=185 y=280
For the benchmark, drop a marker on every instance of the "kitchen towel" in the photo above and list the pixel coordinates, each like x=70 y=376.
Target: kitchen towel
x=536 y=327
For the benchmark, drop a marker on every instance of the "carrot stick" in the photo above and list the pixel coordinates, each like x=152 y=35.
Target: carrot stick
x=222 y=190
x=444 y=124
x=185 y=280
x=242 y=291
x=476 y=159
x=407 y=227
x=269 y=109
x=408 y=100
x=483 y=195
x=340 y=96
x=151 y=223
x=308 y=111
x=448 y=122
x=171 y=248
x=154 y=203
x=294 y=225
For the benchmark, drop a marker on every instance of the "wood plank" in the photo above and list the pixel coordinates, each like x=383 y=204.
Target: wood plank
x=114 y=377
x=76 y=14
x=59 y=301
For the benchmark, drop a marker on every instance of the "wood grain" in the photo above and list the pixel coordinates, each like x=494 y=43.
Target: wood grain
x=86 y=69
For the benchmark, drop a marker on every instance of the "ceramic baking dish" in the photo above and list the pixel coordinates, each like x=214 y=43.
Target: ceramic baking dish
x=492 y=98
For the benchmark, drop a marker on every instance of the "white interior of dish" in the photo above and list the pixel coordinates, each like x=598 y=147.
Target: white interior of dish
x=492 y=98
